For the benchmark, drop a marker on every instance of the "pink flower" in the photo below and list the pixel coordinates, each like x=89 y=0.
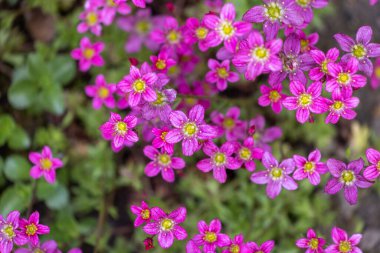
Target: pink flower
x=344 y=77
x=347 y=178
x=322 y=60
x=229 y=124
x=110 y=9
x=373 y=170
x=162 y=62
x=189 y=129
x=310 y=168
x=30 y=228
x=143 y=214
x=373 y=2
x=197 y=32
x=137 y=3
x=247 y=153
x=191 y=247
x=119 y=131
x=9 y=233
x=101 y=92
x=236 y=245
x=305 y=8
x=375 y=79
x=341 y=106
x=91 y=20
x=162 y=162
x=50 y=246
x=276 y=175
x=255 y=56
x=272 y=96
x=308 y=41
x=220 y=74
x=159 y=140
x=139 y=84
x=312 y=243
x=88 y=54
x=220 y=160
x=166 y=226
x=305 y=100
x=266 y=247
x=225 y=29
x=161 y=107
x=263 y=136
x=343 y=244
x=44 y=165
x=210 y=237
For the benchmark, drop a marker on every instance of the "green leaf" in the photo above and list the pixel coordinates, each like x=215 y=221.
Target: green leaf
x=56 y=196
x=63 y=69
x=22 y=93
x=19 y=139
x=6 y=128
x=16 y=197
x=54 y=100
x=16 y=168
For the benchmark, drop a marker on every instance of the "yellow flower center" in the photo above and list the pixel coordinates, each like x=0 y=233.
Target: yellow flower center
x=201 y=33
x=88 y=53
x=359 y=51
x=143 y=26
x=324 y=66
x=38 y=251
x=161 y=99
x=348 y=176
x=145 y=214
x=245 y=153
x=190 y=101
x=167 y=224
x=31 y=229
x=260 y=53
x=228 y=123
x=190 y=129
x=304 y=100
x=276 y=173
x=234 y=248
x=344 y=78
x=111 y=3
x=46 y=163
x=338 y=105
x=304 y=44
x=92 y=18
x=377 y=72
x=160 y=64
x=227 y=29
x=314 y=243
x=121 y=127
x=164 y=159
x=8 y=231
x=139 y=85
x=103 y=92
x=222 y=73
x=303 y=3
x=163 y=135
x=274 y=96
x=220 y=158
x=345 y=246
x=274 y=11
x=173 y=37
x=210 y=237
x=378 y=165
x=309 y=167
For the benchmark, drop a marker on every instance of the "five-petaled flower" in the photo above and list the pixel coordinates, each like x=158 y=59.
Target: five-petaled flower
x=310 y=168
x=312 y=242
x=210 y=237
x=88 y=54
x=44 y=165
x=142 y=212
x=343 y=243
x=30 y=228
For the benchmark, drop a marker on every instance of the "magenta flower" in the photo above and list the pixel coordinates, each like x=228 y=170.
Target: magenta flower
x=312 y=242
x=197 y=32
x=50 y=246
x=30 y=228
x=220 y=160
x=373 y=170
x=341 y=106
x=137 y=3
x=9 y=233
x=110 y=9
x=189 y=129
x=343 y=244
x=361 y=49
x=101 y=92
x=375 y=79
x=88 y=54
x=275 y=14
x=191 y=247
x=305 y=100
x=210 y=237
x=263 y=136
x=236 y=245
x=305 y=8
x=310 y=168
x=247 y=153
x=143 y=214
x=91 y=20
x=162 y=162
x=159 y=140
x=229 y=124
x=139 y=84
x=276 y=175
x=255 y=56
x=308 y=41
x=44 y=165
x=220 y=74
x=161 y=107
x=166 y=226
x=272 y=96
x=344 y=77
x=347 y=178
x=162 y=62
x=321 y=71
x=266 y=247
x=119 y=131
x=373 y=2
x=225 y=29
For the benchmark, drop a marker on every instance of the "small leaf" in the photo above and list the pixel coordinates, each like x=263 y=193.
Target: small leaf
x=54 y=100
x=19 y=139
x=6 y=127
x=16 y=197
x=16 y=168
x=63 y=69
x=22 y=93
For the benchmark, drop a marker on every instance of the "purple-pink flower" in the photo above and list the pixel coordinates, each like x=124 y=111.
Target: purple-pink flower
x=310 y=168
x=101 y=92
x=50 y=246
x=272 y=96
x=305 y=8
x=162 y=62
x=263 y=136
x=373 y=170
x=375 y=79
x=110 y=9
x=321 y=71
x=229 y=124
x=88 y=54
x=246 y=153
x=220 y=160
x=91 y=20
x=189 y=129
x=197 y=32
x=210 y=237
x=44 y=165
x=308 y=41
x=276 y=175
x=341 y=105
x=142 y=212
x=119 y=131
x=162 y=162
x=159 y=140
x=166 y=226
x=343 y=243
x=30 y=228
x=312 y=242
x=266 y=247
x=220 y=74
x=347 y=178
x=9 y=233
x=236 y=245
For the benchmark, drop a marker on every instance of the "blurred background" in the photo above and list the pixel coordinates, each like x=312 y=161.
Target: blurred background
x=43 y=103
